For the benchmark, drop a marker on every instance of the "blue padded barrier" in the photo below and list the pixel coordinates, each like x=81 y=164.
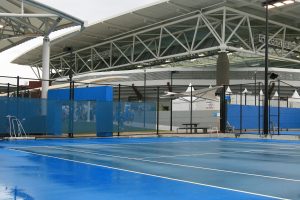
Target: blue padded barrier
x=289 y=117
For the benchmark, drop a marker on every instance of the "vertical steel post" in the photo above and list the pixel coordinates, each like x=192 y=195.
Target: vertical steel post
x=191 y=111
x=8 y=89
x=18 y=86
x=255 y=88
x=119 y=108
x=266 y=106
x=171 y=104
x=70 y=134
x=259 y=117
x=241 y=109
x=145 y=96
x=278 y=111
x=157 y=110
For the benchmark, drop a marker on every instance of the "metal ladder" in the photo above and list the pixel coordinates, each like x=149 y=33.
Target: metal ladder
x=15 y=127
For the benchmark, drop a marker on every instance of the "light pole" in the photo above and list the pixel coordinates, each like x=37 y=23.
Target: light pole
x=269 y=4
x=145 y=78
x=171 y=101
x=255 y=87
x=266 y=105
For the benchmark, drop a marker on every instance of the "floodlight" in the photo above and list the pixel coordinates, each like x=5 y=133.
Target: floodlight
x=273 y=76
x=278 y=4
x=270 y=6
x=289 y=2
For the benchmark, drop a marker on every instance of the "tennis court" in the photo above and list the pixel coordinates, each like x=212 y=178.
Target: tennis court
x=149 y=168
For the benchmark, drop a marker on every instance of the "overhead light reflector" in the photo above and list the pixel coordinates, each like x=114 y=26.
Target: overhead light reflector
x=278 y=4
x=289 y=2
x=270 y=6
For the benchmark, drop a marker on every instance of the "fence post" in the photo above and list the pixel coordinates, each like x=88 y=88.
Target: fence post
x=18 y=86
x=119 y=108
x=157 y=110
x=8 y=89
x=278 y=114
x=241 y=108
x=191 y=111
x=259 y=108
x=71 y=108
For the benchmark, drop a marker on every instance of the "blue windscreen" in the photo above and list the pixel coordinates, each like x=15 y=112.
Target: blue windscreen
x=57 y=117
x=288 y=117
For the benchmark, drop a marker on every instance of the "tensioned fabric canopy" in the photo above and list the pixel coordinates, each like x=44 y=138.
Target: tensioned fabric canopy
x=22 y=20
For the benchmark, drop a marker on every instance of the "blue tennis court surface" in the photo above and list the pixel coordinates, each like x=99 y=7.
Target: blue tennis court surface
x=149 y=168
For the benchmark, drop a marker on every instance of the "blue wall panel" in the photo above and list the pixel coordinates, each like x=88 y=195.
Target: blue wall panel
x=104 y=111
x=102 y=93
x=289 y=117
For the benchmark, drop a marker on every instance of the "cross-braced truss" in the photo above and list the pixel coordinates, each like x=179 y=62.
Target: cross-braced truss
x=185 y=37
x=22 y=20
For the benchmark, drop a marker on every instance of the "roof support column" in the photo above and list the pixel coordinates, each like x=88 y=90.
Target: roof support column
x=45 y=71
x=222 y=72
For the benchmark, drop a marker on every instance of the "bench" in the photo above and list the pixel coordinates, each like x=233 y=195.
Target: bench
x=194 y=128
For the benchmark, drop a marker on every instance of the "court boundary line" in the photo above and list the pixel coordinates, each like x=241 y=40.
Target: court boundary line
x=207 y=140
x=274 y=143
x=157 y=176
x=183 y=165
x=102 y=144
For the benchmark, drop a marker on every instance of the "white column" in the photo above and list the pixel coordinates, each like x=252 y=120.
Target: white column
x=45 y=70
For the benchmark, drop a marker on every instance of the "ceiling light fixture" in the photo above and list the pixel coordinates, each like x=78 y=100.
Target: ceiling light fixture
x=278 y=4
x=288 y=2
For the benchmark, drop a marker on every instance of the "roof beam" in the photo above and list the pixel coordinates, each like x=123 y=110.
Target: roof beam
x=27 y=15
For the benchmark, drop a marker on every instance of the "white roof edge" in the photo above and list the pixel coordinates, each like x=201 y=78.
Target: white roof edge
x=128 y=11
x=73 y=29
x=51 y=9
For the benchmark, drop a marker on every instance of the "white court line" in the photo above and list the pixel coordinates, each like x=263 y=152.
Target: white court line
x=278 y=153
x=182 y=165
x=296 y=146
x=157 y=176
x=101 y=144
x=201 y=154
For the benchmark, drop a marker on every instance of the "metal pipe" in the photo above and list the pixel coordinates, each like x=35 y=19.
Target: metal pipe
x=145 y=97
x=278 y=111
x=259 y=109
x=18 y=86
x=8 y=89
x=157 y=110
x=70 y=134
x=119 y=108
x=266 y=106
x=241 y=109
x=255 y=88
x=191 y=111
x=171 y=104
